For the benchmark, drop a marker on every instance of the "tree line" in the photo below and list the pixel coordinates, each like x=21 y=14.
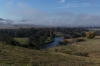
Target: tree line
x=36 y=36
x=74 y=32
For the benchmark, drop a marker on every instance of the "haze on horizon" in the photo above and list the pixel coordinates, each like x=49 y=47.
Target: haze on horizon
x=51 y=12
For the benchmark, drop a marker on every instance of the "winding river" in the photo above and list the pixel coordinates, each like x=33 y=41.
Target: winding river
x=52 y=44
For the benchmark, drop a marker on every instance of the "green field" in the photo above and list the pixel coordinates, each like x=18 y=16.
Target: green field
x=48 y=40
x=25 y=40
x=85 y=53
x=59 y=33
x=22 y=40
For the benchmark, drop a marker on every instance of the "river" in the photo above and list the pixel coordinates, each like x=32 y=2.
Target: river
x=52 y=44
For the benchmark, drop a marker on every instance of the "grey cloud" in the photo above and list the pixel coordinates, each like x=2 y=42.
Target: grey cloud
x=5 y=21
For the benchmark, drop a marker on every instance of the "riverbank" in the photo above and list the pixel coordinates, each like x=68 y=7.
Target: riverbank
x=49 y=40
x=52 y=44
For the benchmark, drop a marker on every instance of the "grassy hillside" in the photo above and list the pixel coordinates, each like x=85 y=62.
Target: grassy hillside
x=82 y=54
x=88 y=50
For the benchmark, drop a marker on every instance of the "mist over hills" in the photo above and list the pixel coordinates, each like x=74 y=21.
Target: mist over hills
x=9 y=24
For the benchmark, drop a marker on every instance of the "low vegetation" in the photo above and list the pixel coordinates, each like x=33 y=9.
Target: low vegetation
x=22 y=40
x=90 y=35
x=19 y=48
x=82 y=54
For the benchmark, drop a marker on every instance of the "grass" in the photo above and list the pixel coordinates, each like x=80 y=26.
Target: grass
x=22 y=40
x=18 y=56
x=89 y=50
x=59 y=34
x=72 y=40
x=48 y=40
x=69 y=55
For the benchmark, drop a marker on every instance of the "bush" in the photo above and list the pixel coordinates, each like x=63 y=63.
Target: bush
x=6 y=39
x=60 y=43
x=80 y=40
x=90 y=35
x=24 y=45
x=13 y=42
x=76 y=35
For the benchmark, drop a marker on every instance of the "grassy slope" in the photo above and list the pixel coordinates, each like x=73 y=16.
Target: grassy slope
x=92 y=47
x=56 y=56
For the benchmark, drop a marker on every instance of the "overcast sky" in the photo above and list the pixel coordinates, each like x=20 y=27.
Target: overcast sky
x=52 y=12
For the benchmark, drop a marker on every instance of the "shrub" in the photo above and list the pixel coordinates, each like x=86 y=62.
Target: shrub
x=80 y=40
x=13 y=42
x=90 y=35
x=24 y=45
x=76 y=35
x=60 y=43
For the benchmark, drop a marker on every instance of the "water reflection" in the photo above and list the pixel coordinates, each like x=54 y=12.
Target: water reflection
x=55 y=43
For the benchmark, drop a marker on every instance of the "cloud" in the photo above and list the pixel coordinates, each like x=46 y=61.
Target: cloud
x=1 y=19
x=25 y=14
x=62 y=1
x=72 y=5
x=5 y=21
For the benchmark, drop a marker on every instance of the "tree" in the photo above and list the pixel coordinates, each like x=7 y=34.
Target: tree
x=51 y=34
x=6 y=39
x=42 y=39
x=34 y=41
x=90 y=35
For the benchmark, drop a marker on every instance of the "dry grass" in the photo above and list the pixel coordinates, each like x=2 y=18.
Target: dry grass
x=88 y=50
x=97 y=37
x=56 y=56
x=69 y=40
x=72 y=40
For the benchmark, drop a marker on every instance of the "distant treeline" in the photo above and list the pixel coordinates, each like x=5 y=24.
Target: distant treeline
x=25 y=32
x=36 y=36
x=74 y=32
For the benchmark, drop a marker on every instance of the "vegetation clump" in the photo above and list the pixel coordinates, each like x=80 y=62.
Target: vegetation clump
x=90 y=35
x=80 y=39
x=85 y=54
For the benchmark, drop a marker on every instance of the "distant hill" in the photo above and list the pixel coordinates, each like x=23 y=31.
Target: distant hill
x=16 y=26
x=1 y=19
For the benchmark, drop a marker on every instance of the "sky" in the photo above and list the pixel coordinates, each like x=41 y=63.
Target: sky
x=51 y=12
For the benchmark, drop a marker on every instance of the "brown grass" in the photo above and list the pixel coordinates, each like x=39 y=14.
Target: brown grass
x=69 y=40
x=97 y=37
x=72 y=40
x=64 y=56
x=88 y=50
